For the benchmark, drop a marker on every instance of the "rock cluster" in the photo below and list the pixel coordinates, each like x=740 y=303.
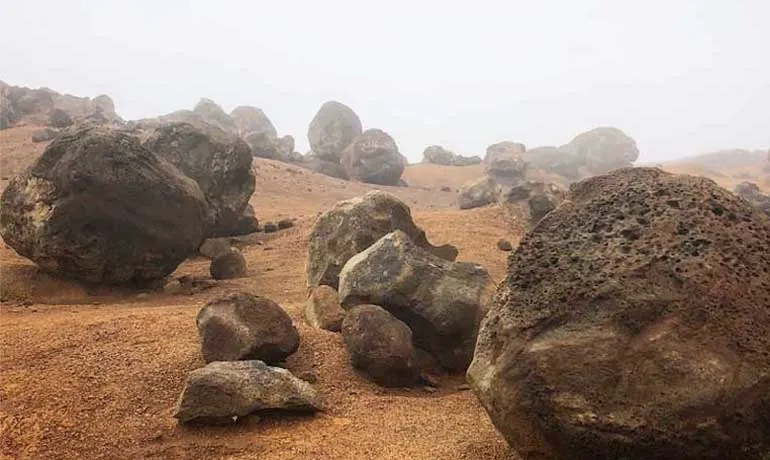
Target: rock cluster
x=438 y=155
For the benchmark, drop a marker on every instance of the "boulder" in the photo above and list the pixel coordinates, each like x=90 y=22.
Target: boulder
x=332 y=129
x=441 y=301
x=58 y=118
x=354 y=225
x=381 y=346
x=242 y=326
x=508 y=170
x=460 y=160
x=213 y=114
x=215 y=247
x=44 y=135
x=245 y=224
x=634 y=324
x=249 y=120
x=373 y=157
x=504 y=245
x=104 y=104
x=603 y=149
x=555 y=160
x=283 y=224
x=323 y=309
x=479 y=192
x=438 y=155
x=219 y=162
x=503 y=149
x=222 y=391
x=264 y=145
x=99 y=207
x=541 y=198
x=227 y=266
x=286 y=145
x=327 y=168
x=750 y=192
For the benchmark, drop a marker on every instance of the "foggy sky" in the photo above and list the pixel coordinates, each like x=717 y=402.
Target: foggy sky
x=680 y=76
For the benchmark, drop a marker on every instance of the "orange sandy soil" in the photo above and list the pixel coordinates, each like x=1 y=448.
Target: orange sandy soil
x=95 y=372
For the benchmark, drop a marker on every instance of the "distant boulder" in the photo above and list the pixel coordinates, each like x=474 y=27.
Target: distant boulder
x=541 y=198
x=354 y=225
x=503 y=149
x=604 y=149
x=381 y=346
x=555 y=160
x=437 y=154
x=373 y=157
x=507 y=170
x=263 y=145
x=479 y=192
x=752 y=193
x=250 y=120
x=633 y=323
x=99 y=207
x=332 y=129
x=58 y=118
x=242 y=326
x=221 y=392
x=219 y=162
x=215 y=247
x=213 y=114
x=441 y=301
x=327 y=168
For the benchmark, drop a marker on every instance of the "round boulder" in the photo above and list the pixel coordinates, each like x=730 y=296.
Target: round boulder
x=604 y=149
x=373 y=157
x=438 y=155
x=249 y=120
x=227 y=266
x=213 y=114
x=332 y=129
x=381 y=346
x=323 y=309
x=99 y=207
x=503 y=149
x=634 y=323
x=480 y=192
x=219 y=162
x=242 y=326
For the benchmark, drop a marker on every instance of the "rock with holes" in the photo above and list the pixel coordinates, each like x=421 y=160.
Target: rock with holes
x=332 y=129
x=242 y=326
x=373 y=157
x=441 y=301
x=354 y=225
x=323 y=309
x=99 y=207
x=222 y=391
x=381 y=346
x=219 y=162
x=477 y=193
x=634 y=323
x=228 y=265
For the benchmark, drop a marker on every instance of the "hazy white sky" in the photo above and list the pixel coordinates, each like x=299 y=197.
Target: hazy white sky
x=680 y=76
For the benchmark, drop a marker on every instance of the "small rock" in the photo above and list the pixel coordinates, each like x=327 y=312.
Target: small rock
x=323 y=309
x=446 y=189
x=270 y=227
x=228 y=266
x=463 y=387
x=480 y=192
x=504 y=245
x=285 y=223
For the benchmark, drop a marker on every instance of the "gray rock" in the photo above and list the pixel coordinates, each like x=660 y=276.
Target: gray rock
x=480 y=192
x=323 y=309
x=219 y=162
x=213 y=114
x=373 y=157
x=507 y=170
x=332 y=129
x=441 y=301
x=222 y=391
x=604 y=149
x=354 y=225
x=227 y=266
x=242 y=326
x=753 y=194
x=250 y=119
x=58 y=118
x=381 y=346
x=264 y=145
x=327 y=168
x=503 y=149
x=541 y=198
x=438 y=155
x=99 y=207
x=44 y=135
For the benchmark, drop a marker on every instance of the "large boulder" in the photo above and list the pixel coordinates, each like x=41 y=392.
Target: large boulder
x=751 y=192
x=541 y=198
x=323 y=309
x=99 y=207
x=634 y=324
x=264 y=145
x=242 y=326
x=373 y=157
x=250 y=119
x=219 y=162
x=504 y=163
x=603 y=149
x=504 y=149
x=354 y=225
x=441 y=301
x=213 y=114
x=555 y=160
x=222 y=391
x=332 y=129
x=381 y=346
x=438 y=155
x=477 y=193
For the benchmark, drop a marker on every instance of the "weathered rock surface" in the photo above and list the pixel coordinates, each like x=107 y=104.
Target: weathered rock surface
x=242 y=326
x=214 y=247
x=99 y=207
x=264 y=145
x=224 y=390
x=323 y=309
x=634 y=323
x=213 y=114
x=332 y=129
x=354 y=225
x=477 y=193
x=555 y=160
x=250 y=120
x=441 y=301
x=503 y=149
x=603 y=149
x=508 y=170
x=381 y=346
x=541 y=198
x=227 y=266
x=373 y=157
x=219 y=162
x=438 y=155
x=327 y=168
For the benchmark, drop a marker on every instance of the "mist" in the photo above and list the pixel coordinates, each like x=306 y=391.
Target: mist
x=680 y=76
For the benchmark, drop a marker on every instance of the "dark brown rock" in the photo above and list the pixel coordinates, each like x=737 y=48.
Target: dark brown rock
x=503 y=149
x=504 y=245
x=541 y=198
x=323 y=309
x=242 y=326
x=227 y=266
x=381 y=346
x=354 y=225
x=634 y=323
x=99 y=207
